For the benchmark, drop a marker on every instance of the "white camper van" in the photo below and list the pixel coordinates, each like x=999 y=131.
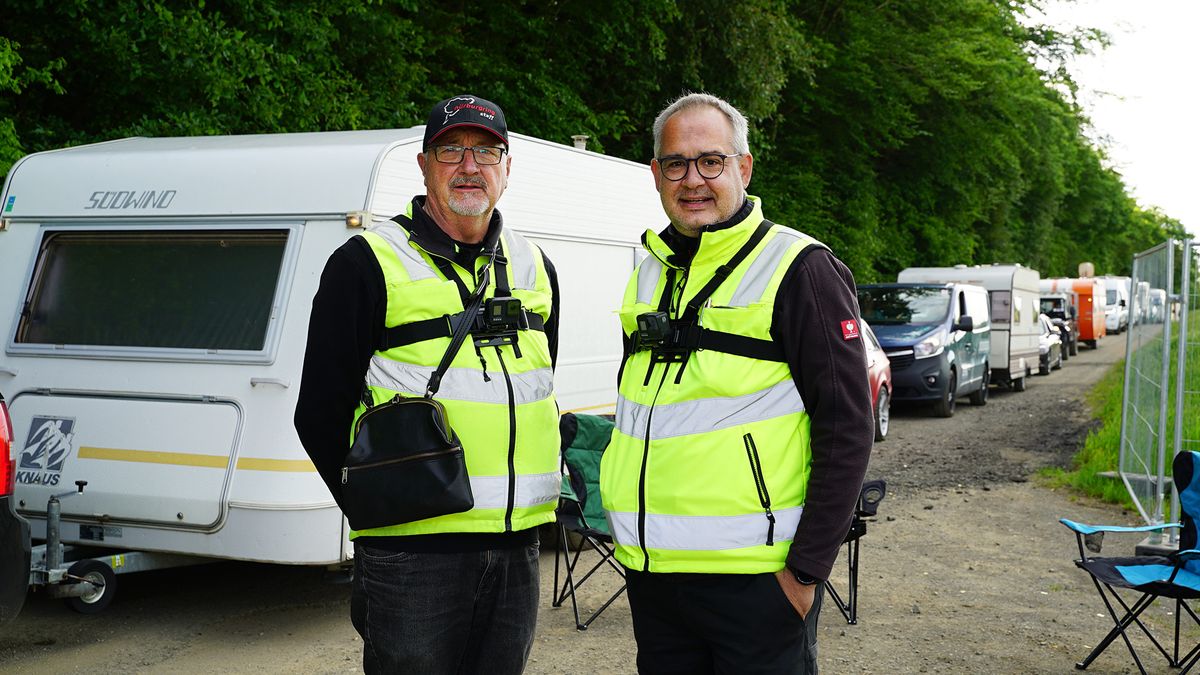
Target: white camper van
x=1116 y=292
x=154 y=303
x=1014 y=296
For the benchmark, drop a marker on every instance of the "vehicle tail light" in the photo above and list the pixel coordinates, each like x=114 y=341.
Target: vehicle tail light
x=6 y=459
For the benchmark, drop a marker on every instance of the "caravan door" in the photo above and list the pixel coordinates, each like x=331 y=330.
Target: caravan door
x=164 y=462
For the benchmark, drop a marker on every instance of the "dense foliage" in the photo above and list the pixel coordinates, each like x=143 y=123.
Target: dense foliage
x=901 y=133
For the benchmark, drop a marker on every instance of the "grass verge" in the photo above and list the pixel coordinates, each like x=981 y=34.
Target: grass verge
x=1100 y=449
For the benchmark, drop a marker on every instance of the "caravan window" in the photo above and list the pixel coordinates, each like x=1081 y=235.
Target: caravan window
x=1001 y=306
x=202 y=289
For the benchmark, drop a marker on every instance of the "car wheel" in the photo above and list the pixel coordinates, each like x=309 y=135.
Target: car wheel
x=945 y=405
x=1074 y=347
x=1044 y=369
x=103 y=582
x=1061 y=358
x=1018 y=384
x=883 y=413
x=980 y=396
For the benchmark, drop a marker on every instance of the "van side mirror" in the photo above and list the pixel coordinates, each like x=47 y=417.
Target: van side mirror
x=1122 y=303
x=965 y=323
x=1074 y=312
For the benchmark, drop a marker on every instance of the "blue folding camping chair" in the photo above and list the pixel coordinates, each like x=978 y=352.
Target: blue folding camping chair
x=1175 y=576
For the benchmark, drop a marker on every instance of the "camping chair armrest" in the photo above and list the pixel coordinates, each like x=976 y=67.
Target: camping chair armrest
x=1184 y=556
x=1082 y=528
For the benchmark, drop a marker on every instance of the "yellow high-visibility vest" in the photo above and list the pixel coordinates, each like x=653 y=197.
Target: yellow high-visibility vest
x=709 y=461
x=501 y=406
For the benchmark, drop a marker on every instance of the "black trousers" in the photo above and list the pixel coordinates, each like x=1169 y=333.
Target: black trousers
x=720 y=623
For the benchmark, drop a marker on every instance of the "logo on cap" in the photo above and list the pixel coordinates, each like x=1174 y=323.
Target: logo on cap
x=454 y=105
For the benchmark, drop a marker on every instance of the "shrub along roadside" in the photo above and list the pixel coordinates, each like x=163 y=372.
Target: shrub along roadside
x=1101 y=448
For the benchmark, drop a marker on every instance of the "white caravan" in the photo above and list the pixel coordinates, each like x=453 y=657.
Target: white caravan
x=155 y=304
x=1014 y=295
x=1116 y=298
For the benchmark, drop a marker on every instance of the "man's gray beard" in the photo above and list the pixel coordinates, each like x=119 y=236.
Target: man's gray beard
x=468 y=207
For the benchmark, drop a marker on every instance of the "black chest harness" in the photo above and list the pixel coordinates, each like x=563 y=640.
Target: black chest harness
x=673 y=340
x=495 y=321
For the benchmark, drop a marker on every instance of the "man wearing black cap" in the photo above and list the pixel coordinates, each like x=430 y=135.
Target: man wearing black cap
x=458 y=592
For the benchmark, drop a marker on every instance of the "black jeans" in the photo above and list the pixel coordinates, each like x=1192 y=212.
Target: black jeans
x=720 y=623
x=445 y=612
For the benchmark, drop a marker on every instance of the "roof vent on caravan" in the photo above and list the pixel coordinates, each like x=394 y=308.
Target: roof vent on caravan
x=1087 y=269
x=580 y=141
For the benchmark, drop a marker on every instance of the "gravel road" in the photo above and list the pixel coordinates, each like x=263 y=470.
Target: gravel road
x=965 y=571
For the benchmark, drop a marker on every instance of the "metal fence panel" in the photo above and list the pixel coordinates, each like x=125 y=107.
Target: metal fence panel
x=1144 y=462
x=1187 y=388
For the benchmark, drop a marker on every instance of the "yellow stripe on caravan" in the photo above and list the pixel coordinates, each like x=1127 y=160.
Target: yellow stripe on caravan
x=190 y=459
x=263 y=464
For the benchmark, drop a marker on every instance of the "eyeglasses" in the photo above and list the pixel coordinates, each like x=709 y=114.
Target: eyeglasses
x=709 y=165
x=453 y=154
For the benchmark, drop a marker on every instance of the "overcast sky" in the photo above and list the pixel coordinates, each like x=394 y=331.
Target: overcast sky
x=1143 y=94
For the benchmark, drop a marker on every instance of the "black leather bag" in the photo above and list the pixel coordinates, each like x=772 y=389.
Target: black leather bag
x=406 y=463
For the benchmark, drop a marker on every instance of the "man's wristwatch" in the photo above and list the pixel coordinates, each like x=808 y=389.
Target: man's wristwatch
x=804 y=579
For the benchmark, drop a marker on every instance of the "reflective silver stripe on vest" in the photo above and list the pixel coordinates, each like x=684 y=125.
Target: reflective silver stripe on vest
x=648 y=273
x=754 y=283
x=396 y=237
x=707 y=414
x=491 y=492
x=520 y=260
x=704 y=533
x=461 y=384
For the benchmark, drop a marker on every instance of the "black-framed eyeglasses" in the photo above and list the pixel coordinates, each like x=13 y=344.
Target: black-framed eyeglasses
x=454 y=154
x=709 y=165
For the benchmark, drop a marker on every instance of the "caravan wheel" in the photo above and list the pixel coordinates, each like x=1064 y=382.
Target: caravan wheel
x=103 y=582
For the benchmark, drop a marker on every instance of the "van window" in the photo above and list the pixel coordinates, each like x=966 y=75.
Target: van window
x=1001 y=307
x=201 y=289
x=977 y=308
x=903 y=304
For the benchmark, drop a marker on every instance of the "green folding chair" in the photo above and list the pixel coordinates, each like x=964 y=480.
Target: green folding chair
x=580 y=511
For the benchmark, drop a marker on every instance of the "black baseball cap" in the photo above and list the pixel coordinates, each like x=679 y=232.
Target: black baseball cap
x=465 y=111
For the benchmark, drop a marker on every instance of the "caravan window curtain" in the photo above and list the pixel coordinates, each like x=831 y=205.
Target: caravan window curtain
x=201 y=289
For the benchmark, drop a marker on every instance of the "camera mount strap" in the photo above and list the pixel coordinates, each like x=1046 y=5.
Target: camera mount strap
x=464 y=327
x=445 y=325
x=722 y=273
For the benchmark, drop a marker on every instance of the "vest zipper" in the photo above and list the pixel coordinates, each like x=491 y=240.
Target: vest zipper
x=642 y=477
x=512 y=444
x=760 y=484
x=400 y=460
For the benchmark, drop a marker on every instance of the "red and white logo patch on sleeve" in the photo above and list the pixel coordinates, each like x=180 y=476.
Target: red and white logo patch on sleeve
x=850 y=329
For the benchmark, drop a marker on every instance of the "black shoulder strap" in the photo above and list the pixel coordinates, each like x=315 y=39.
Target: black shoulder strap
x=722 y=273
x=463 y=327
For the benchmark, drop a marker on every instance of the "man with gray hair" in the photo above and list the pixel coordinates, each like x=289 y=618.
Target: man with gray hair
x=744 y=419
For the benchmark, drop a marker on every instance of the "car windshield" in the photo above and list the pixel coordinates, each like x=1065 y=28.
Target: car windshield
x=903 y=305
x=1054 y=307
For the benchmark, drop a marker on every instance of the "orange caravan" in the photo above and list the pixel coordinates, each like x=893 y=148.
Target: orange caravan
x=1088 y=296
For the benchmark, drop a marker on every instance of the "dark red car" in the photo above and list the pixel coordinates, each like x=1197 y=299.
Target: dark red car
x=879 y=373
x=14 y=530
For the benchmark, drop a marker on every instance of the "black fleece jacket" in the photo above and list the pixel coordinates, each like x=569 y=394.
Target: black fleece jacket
x=815 y=296
x=343 y=333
